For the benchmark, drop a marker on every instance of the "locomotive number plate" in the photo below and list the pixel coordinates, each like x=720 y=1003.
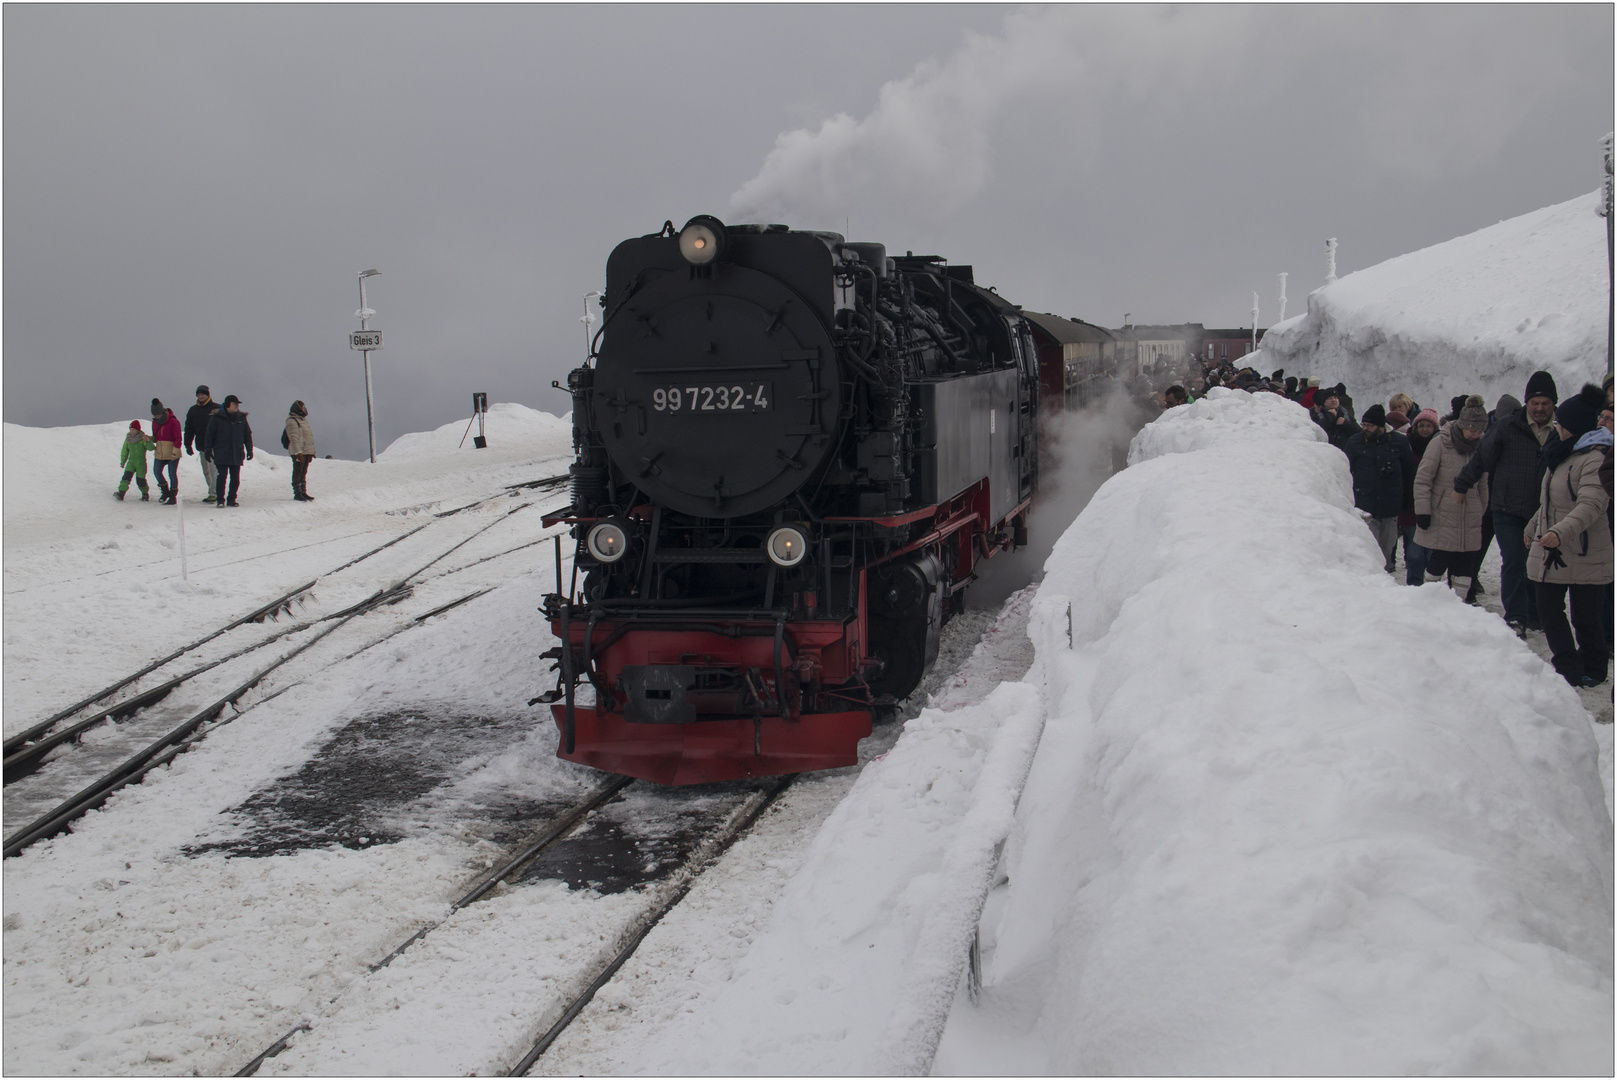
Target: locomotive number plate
x=735 y=397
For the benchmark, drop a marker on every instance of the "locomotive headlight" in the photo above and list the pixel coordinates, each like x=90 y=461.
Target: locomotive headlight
x=701 y=239
x=607 y=542
x=787 y=546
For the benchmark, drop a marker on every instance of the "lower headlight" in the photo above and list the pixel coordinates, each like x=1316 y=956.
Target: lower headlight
x=607 y=541
x=787 y=546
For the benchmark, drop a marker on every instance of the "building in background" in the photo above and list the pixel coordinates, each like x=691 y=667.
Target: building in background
x=1141 y=348
x=1230 y=344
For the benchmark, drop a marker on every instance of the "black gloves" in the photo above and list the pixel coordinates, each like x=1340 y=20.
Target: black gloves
x=1423 y=520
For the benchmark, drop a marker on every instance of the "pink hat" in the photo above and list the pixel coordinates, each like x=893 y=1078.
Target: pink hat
x=1426 y=414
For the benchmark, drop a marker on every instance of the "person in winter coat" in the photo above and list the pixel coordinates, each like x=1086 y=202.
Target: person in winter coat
x=229 y=442
x=1510 y=457
x=1383 y=468
x=1449 y=525
x=1398 y=421
x=1570 y=540
x=132 y=457
x=1421 y=433
x=1333 y=418
x=299 y=440
x=166 y=439
x=196 y=431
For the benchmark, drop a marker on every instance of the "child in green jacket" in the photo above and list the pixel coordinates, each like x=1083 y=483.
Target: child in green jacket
x=132 y=456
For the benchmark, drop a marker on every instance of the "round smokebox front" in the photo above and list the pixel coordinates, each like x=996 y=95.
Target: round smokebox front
x=717 y=397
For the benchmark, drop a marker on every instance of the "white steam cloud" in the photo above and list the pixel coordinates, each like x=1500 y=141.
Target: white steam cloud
x=1382 y=89
x=928 y=142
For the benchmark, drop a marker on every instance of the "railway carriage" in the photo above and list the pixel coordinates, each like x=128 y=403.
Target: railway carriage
x=792 y=452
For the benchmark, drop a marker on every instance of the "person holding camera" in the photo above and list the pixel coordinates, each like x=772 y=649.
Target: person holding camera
x=1333 y=416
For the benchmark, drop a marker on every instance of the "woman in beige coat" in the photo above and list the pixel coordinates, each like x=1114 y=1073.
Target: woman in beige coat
x=1449 y=524
x=299 y=441
x=1569 y=540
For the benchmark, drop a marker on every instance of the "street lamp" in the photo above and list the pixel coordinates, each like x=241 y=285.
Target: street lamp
x=365 y=344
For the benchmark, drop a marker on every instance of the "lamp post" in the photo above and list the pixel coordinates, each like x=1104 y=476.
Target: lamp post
x=364 y=313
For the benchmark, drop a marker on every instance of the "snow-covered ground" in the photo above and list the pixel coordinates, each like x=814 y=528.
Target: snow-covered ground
x=1254 y=808
x=1476 y=314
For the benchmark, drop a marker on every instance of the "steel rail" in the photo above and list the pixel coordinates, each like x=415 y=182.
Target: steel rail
x=12 y=743
x=133 y=768
x=279 y=602
x=53 y=821
x=552 y=833
x=763 y=799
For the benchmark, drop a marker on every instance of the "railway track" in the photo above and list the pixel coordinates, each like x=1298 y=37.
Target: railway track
x=21 y=741
x=661 y=898
x=26 y=752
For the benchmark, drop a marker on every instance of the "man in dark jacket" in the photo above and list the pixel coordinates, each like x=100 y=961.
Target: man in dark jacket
x=1383 y=468
x=1330 y=415
x=229 y=442
x=1510 y=456
x=196 y=429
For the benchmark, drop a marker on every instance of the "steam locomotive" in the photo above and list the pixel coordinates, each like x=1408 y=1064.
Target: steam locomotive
x=792 y=452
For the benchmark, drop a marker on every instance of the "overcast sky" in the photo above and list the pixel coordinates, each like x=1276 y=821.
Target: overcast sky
x=190 y=189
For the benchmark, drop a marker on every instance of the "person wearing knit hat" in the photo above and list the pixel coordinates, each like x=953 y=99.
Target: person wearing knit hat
x=1383 y=471
x=132 y=458
x=196 y=430
x=1541 y=384
x=1570 y=540
x=1421 y=432
x=1511 y=458
x=166 y=450
x=1397 y=421
x=1449 y=525
x=1473 y=415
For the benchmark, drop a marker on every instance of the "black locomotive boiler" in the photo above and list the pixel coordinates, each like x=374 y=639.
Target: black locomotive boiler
x=791 y=453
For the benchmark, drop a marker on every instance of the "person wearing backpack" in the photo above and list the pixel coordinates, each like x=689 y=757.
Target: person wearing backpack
x=1569 y=540
x=298 y=438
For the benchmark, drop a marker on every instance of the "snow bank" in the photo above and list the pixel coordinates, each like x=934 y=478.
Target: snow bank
x=1224 y=417
x=1287 y=816
x=507 y=424
x=1477 y=314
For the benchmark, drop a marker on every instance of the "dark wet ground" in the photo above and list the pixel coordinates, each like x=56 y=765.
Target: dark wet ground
x=387 y=777
x=642 y=836
x=380 y=779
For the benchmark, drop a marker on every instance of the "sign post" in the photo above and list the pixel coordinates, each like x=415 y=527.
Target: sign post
x=479 y=411
x=364 y=342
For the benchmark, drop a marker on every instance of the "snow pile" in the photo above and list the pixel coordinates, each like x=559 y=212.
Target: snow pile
x=1477 y=314
x=1287 y=816
x=507 y=423
x=1224 y=416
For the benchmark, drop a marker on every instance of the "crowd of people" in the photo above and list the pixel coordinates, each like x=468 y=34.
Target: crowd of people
x=1533 y=476
x=217 y=433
